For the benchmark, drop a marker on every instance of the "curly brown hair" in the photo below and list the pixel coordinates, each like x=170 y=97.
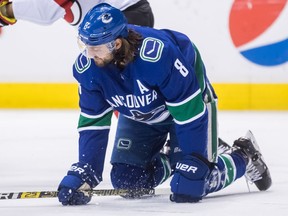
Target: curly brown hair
x=128 y=50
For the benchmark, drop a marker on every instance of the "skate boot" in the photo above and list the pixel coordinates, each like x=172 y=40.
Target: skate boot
x=257 y=171
x=223 y=147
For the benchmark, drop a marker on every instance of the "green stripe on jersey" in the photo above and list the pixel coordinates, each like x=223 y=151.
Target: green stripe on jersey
x=199 y=69
x=101 y=120
x=187 y=109
x=230 y=169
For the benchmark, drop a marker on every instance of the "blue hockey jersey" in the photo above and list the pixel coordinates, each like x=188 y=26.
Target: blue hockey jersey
x=167 y=77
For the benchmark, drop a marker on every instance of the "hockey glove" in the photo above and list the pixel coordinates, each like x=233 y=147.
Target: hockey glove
x=189 y=181
x=4 y=20
x=76 y=186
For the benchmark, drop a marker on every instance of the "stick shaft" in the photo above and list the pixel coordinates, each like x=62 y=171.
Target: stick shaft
x=27 y=195
x=101 y=192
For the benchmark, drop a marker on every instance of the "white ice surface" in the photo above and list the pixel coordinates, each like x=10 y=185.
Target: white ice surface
x=37 y=147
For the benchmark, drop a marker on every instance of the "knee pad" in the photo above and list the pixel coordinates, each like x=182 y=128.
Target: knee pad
x=129 y=176
x=125 y=176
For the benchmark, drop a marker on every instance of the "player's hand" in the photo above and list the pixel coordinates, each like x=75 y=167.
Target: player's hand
x=76 y=186
x=4 y=20
x=190 y=179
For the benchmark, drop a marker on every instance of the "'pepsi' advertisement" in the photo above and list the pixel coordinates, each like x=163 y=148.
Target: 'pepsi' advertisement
x=243 y=43
x=250 y=21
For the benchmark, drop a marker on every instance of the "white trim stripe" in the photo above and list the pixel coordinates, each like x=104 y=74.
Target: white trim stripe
x=96 y=116
x=94 y=128
x=186 y=100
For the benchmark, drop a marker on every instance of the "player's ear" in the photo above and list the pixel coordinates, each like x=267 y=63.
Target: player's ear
x=118 y=43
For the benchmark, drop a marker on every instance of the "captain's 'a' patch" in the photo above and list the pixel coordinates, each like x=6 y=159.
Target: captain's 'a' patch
x=151 y=49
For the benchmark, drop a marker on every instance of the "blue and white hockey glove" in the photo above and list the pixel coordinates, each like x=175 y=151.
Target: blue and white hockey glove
x=189 y=180
x=76 y=186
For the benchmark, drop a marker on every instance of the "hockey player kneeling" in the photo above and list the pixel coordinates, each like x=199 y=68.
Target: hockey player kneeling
x=157 y=82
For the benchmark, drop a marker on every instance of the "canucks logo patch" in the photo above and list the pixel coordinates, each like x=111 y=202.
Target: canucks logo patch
x=124 y=144
x=151 y=49
x=82 y=63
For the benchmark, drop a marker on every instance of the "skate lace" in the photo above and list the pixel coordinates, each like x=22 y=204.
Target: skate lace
x=224 y=149
x=252 y=173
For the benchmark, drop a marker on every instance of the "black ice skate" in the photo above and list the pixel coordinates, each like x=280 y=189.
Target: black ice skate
x=257 y=171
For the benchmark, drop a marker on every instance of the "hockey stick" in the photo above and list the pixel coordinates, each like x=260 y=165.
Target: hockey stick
x=101 y=192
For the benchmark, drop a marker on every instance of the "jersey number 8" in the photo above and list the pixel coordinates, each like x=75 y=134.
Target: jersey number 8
x=181 y=68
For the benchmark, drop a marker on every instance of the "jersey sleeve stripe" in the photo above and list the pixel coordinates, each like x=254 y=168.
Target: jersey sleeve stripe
x=191 y=119
x=184 y=101
x=93 y=128
x=188 y=110
x=102 y=122
x=199 y=69
x=96 y=116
